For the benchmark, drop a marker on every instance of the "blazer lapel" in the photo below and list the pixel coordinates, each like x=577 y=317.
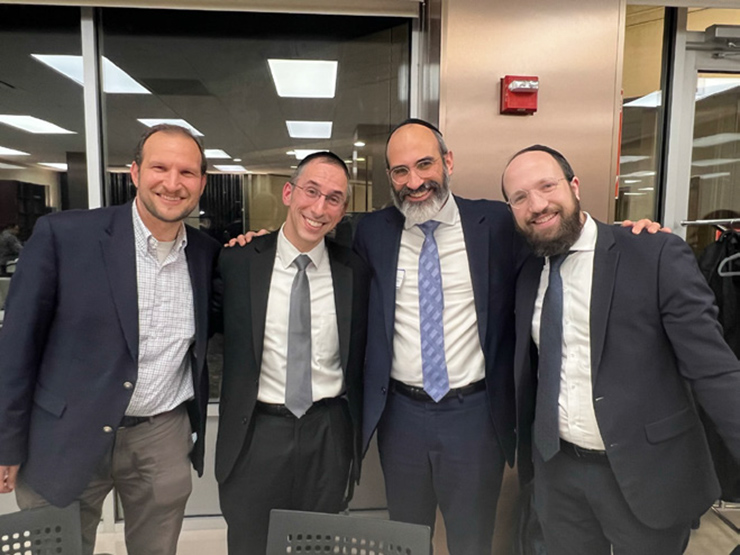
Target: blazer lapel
x=387 y=269
x=476 y=242
x=260 y=274
x=341 y=274
x=199 y=277
x=119 y=256
x=606 y=258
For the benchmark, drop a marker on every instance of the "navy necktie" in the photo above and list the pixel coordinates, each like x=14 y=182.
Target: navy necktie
x=431 y=309
x=546 y=425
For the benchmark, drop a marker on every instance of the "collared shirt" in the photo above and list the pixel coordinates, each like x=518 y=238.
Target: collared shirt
x=463 y=352
x=166 y=324
x=327 y=378
x=577 y=418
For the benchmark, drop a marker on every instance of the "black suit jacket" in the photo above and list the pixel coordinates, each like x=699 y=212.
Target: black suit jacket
x=241 y=293
x=71 y=339
x=654 y=333
x=494 y=252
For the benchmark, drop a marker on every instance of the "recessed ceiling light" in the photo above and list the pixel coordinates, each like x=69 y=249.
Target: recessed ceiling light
x=237 y=159
x=301 y=153
x=360 y=159
x=714 y=162
x=634 y=194
x=151 y=122
x=309 y=129
x=638 y=174
x=627 y=159
x=54 y=165
x=718 y=139
x=230 y=168
x=359 y=144
x=216 y=154
x=631 y=181
x=646 y=189
x=714 y=175
x=304 y=78
x=4 y=166
x=34 y=125
x=115 y=80
x=12 y=152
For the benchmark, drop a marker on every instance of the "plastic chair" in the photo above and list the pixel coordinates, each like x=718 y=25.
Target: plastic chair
x=298 y=532
x=42 y=531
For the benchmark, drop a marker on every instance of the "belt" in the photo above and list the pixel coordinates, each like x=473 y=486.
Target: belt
x=591 y=455
x=273 y=409
x=418 y=393
x=131 y=421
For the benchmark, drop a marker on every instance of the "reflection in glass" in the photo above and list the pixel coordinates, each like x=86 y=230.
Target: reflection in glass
x=638 y=161
x=42 y=139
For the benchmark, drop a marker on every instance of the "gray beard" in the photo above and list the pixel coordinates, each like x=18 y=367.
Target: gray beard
x=568 y=234
x=420 y=212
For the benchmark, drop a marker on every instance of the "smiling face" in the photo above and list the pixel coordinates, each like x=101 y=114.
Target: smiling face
x=169 y=182
x=310 y=219
x=415 y=147
x=550 y=222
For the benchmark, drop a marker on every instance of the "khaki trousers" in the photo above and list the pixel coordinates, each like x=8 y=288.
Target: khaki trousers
x=149 y=466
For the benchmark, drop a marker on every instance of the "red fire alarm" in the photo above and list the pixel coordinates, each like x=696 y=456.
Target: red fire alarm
x=519 y=94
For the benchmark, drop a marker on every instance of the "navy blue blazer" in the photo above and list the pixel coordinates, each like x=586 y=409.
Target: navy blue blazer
x=654 y=333
x=71 y=340
x=494 y=250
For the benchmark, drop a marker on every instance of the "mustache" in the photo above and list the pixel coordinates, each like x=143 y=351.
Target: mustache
x=426 y=186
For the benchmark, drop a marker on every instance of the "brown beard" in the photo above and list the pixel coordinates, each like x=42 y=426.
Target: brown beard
x=568 y=233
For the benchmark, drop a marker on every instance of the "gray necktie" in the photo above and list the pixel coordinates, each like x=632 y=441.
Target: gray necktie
x=298 y=394
x=546 y=428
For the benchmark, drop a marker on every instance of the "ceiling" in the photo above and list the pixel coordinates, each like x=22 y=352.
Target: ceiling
x=209 y=68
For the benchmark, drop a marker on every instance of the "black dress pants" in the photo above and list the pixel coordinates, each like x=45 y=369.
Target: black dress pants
x=287 y=463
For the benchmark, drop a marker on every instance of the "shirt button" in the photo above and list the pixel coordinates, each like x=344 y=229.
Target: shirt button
x=107 y=429
x=128 y=385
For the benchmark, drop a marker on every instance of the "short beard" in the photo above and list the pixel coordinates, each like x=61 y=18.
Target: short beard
x=568 y=233
x=420 y=212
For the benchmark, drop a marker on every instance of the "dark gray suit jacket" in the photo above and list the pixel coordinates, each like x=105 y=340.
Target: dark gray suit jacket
x=654 y=336
x=71 y=339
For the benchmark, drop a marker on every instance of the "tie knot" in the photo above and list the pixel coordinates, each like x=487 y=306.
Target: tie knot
x=428 y=227
x=302 y=261
x=556 y=260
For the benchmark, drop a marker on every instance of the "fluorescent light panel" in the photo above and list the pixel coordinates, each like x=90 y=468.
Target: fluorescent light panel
x=714 y=162
x=151 y=122
x=309 y=129
x=714 y=175
x=115 y=80
x=34 y=125
x=54 y=165
x=627 y=159
x=230 y=168
x=304 y=78
x=12 y=152
x=216 y=154
x=301 y=153
x=715 y=140
x=4 y=166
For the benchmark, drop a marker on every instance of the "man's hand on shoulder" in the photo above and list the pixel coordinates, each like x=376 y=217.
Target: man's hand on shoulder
x=245 y=238
x=8 y=476
x=645 y=224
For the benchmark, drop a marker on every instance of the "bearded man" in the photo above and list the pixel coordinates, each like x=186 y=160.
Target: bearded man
x=438 y=379
x=613 y=333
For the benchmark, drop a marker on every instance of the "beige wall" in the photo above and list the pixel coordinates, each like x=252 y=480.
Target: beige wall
x=574 y=47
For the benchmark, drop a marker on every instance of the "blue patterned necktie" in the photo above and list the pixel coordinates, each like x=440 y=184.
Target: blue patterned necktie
x=546 y=421
x=431 y=308
x=298 y=392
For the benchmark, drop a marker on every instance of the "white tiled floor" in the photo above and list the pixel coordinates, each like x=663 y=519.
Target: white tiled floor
x=712 y=538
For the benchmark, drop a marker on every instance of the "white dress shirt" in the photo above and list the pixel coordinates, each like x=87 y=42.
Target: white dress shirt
x=166 y=324
x=577 y=419
x=463 y=352
x=327 y=378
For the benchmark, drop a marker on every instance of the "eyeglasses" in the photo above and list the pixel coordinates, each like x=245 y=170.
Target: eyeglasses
x=519 y=199
x=401 y=175
x=335 y=200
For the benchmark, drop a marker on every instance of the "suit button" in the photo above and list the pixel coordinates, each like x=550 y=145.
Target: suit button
x=383 y=390
x=128 y=385
x=614 y=445
x=107 y=429
x=244 y=420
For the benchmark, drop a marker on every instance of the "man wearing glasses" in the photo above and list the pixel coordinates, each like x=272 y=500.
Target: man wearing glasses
x=438 y=381
x=292 y=306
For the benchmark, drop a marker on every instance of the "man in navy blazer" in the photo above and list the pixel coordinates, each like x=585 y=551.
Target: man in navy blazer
x=451 y=452
x=606 y=419
x=103 y=348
